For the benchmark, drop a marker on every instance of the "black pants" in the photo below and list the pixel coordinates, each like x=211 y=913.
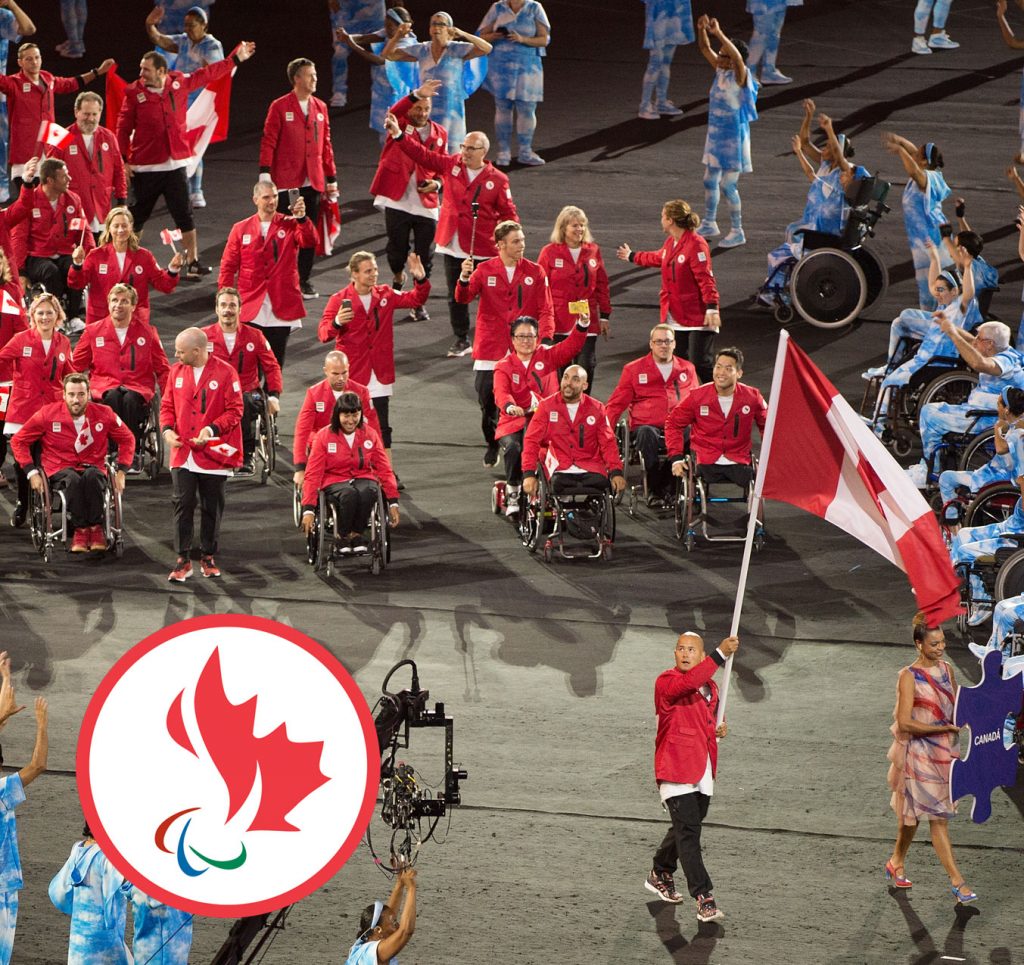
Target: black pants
x=189 y=490
x=682 y=841
x=567 y=482
x=305 y=259
x=735 y=473
x=484 y=384
x=83 y=492
x=382 y=406
x=697 y=345
x=149 y=186
x=649 y=441
x=252 y=405
x=131 y=407
x=587 y=357
x=458 y=314
x=512 y=455
x=277 y=337
x=354 y=502
x=52 y=274
x=400 y=225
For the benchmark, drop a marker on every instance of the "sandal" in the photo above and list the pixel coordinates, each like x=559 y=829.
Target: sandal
x=896 y=876
x=963 y=897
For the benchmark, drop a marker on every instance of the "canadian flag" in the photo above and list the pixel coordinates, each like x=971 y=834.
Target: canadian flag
x=221 y=451
x=5 y=395
x=8 y=304
x=76 y=224
x=53 y=135
x=328 y=228
x=819 y=455
x=170 y=235
x=84 y=439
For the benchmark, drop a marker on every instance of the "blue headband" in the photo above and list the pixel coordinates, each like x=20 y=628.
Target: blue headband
x=393 y=14
x=378 y=909
x=929 y=151
x=950 y=277
x=1005 y=395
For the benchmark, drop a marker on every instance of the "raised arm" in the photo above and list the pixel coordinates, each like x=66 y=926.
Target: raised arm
x=26 y=28
x=702 y=41
x=728 y=49
x=825 y=122
x=805 y=165
x=37 y=765
x=391 y=49
x=967 y=290
x=399 y=938
x=481 y=48
x=1004 y=27
x=1015 y=179
x=153 y=31
x=907 y=153
x=805 y=133
x=353 y=44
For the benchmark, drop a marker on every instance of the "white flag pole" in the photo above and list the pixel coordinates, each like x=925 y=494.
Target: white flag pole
x=748 y=546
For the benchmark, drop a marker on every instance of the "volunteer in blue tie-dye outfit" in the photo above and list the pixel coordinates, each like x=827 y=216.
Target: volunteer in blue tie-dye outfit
x=383 y=933
x=163 y=935
x=668 y=24
x=731 y=108
x=520 y=31
x=352 y=17
x=12 y=794
x=769 y=16
x=937 y=11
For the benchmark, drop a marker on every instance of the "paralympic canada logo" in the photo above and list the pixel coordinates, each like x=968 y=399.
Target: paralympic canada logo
x=228 y=765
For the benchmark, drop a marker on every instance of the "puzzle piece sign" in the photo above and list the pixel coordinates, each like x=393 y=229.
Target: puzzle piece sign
x=989 y=762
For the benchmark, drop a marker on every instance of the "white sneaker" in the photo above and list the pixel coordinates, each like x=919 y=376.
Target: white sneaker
x=980 y=613
x=733 y=239
x=198 y=200
x=771 y=75
x=503 y=159
x=920 y=46
x=531 y=159
x=668 y=109
x=941 y=41
x=648 y=113
x=876 y=373
x=708 y=229
x=918 y=475
x=75 y=325
x=338 y=100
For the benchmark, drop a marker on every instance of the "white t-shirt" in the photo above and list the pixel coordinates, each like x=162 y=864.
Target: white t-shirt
x=454 y=248
x=665 y=368
x=725 y=404
x=411 y=200
x=575 y=253
x=229 y=340
x=121 y=333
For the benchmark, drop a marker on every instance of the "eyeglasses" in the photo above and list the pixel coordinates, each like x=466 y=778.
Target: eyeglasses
x=472 y=147
x=525 y=338
x=663 y=341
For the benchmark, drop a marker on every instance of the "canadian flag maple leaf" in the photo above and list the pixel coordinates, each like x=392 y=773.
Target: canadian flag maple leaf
x=289 y=770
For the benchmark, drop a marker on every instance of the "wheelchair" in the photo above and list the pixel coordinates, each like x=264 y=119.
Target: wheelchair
x=568 y=511
x=694 y=502
x=265 y=432
x=48 y=518
x=151 y=446
x=323 y=542
x=836 y=277
x=635 y=471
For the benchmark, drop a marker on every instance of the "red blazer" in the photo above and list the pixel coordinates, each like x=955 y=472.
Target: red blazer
x=316 y=411
x=99 y=178
x=216 y=402
x=151 y=124
x=140 y=364
x=369 y=339
x=28 y=105
x=588 y=442
x=332 y=460
x=572 y=281
x=252 y=355
x=12 y=322
x=489 y=189
x=48 y=230
x=688 y=287
x=267 y=265
x=524 y=385
x=713 y=435
x=100 y=272
x=37 y=377
x=686 y=724
x=55 y=427
x=503 y=301
x=646 y=395
x=395 y=167
x=297 y=146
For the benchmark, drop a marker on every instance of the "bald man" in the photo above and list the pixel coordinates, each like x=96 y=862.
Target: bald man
x=201 y=416
x=685 y=759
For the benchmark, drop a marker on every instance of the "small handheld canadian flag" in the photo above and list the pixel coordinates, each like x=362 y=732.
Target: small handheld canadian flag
x=53 y=135
x=170 y=235
x=8 y=304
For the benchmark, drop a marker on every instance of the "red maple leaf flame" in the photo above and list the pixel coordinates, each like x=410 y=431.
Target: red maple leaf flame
x=290 y=771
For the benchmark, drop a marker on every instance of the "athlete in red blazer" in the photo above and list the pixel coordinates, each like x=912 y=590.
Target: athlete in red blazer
x=395 y=167
x=49 y=232
x=645 y=393
x=316 y=410
x=296 y=146
x=576 y=279
x=712 y=433
x=138 y=364
x=100 y=271
x=688 y=288
x=98 y=175
x=332 y=459
x=37 y=373
x=250 y=357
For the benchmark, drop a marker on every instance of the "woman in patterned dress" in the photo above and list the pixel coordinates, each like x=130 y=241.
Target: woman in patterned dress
x=668 y=24
x=924 y=745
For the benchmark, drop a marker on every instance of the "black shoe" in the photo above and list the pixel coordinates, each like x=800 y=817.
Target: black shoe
x=399 y=484
x=19 y=515
x=247 y=468
x=308 y=291
x=358 y=545
x=196 y=269
x=491 y=455
x=460 y=348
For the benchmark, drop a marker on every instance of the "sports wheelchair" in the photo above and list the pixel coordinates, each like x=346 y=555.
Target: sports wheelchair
x=635 y=471
x=49 y=524
x=151 y=441
x=564 y=508
x=694 y=502
x=324 y=541
x=836 y=277
x=266 y=439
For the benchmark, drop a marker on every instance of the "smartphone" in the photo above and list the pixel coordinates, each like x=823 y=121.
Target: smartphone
x=293 y=195
x=581 y=307
x=346 y=303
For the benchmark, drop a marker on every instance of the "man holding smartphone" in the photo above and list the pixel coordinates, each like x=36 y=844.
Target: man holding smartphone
x=262 y=253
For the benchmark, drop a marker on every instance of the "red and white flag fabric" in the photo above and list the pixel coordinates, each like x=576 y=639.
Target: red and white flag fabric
x=819 y=455
x=170 y=235
x=53 y=135
x=328 y=229
x=9 y=304
x=84 y=438
x=221 y=451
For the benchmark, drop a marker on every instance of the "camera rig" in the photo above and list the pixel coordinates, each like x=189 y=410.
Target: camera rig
x=406 y=800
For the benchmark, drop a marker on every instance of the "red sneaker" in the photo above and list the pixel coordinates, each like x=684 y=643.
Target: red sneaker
x=207 y=567
x=97 y=539
x=182 y=570
x=80 y=541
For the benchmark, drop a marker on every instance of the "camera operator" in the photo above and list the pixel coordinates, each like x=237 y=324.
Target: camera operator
x=383 y=933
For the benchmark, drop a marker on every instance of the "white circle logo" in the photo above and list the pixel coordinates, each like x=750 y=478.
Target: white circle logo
x=280 y=232
x=539 y=366
x=255 y=787
x=746 y=410
x=99 y=426
x=250 y=346
x=591 y=420
x=528 y=280
x=138 y=269
x=214 y=383
x=140 y=341
x=490 y=185
x=368 y=444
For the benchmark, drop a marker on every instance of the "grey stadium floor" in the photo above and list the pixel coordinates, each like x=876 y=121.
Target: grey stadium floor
x=548 y=669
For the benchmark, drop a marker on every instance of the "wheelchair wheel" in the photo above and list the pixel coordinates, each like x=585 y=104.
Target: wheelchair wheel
x=264 y=447
x=993 y=504
x=953 y=387
x=39 y=517
x=380 y=541
x=1010 y=577
x=682 y=505
x=979 y=452
x=875 y=274
x=828 y=288
x=271 y=443
x=323 y=536
x=626 y=453
x=783 y=313
x=533 y=520
x=297 y=505
x=154 y=439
